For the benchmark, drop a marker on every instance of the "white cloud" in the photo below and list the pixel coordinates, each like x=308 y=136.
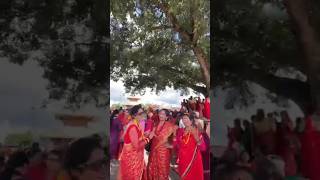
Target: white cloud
x=169 y=97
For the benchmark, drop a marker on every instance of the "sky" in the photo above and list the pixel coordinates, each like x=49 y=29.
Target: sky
x=22 y=91
x=170 y=97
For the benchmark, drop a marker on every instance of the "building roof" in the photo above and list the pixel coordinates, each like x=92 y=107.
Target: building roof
x=75 y=120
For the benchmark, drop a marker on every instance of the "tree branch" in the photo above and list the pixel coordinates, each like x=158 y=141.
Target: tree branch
x=176 y=26
x=161 y=27
x=195 y=33
x=178 y=72
x=298 y=12
x=200 y=89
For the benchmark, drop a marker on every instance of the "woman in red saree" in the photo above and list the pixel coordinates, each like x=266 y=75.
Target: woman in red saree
x=132 y=166
x=288 y=146
x=160 y=154
x=190 y=160
x=310 y=148
x=206 y=110
x=124 y=118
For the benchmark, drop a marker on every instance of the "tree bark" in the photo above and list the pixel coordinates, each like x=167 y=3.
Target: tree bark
x=204 y=65
x=298 y=12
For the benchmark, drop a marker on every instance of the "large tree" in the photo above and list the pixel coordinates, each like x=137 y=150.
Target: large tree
x=68 y=39
x=255 y=39
x=159 y=44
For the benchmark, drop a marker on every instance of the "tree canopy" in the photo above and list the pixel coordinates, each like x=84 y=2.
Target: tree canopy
x=67 y=38
x=253 y=41
x=19 y=139
x=157 y=44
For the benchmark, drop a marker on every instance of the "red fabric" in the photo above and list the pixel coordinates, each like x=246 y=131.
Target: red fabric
x=287 y=151
x=185 y=155
x=192 y=106
x=177 y=143
x=127 y=136
x=121 y=118
x=131 y=161
x=155 y=119
x=149 y=125
x=159 y=157
x=234 y=135
x=37 y=172
x=290 y=162
x=198 y=107
x=231 y=137
x=267 y=141
x=310 y=159
x=206 y=110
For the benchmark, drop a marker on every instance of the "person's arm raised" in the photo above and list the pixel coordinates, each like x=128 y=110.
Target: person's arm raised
x=195 y=134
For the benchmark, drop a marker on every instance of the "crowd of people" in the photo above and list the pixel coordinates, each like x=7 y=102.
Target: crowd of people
x=269 y=147
x=82 y=159
x=171 y=139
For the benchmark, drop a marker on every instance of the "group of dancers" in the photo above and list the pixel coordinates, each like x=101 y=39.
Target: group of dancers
x=164 y=134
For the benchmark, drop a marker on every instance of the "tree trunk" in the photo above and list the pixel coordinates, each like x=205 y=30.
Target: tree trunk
x=189 y=39
x=202 y=59
x=298 y=12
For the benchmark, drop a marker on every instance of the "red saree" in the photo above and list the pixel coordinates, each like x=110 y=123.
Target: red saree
x=132 y=164
x=159 y=158
x=206 y=110
x=310 y=148
x=190 y=160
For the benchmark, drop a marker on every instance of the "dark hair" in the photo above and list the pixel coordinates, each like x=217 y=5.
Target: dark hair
x=253 y=117
x=16 y=160
x=2 y=159
x=237 y=122
x=246 y=123
x=284 y=115
x=270 y=114
x=193 y=115
x=79 y=152
x=114 y=113
x=166 y=111
x=192 y=119
x=260 y=114
x=134 y=110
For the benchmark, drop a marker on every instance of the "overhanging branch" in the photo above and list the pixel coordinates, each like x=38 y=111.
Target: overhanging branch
x=200 y=89
x=176 y=26
x=161 y=27
x=293 y=89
